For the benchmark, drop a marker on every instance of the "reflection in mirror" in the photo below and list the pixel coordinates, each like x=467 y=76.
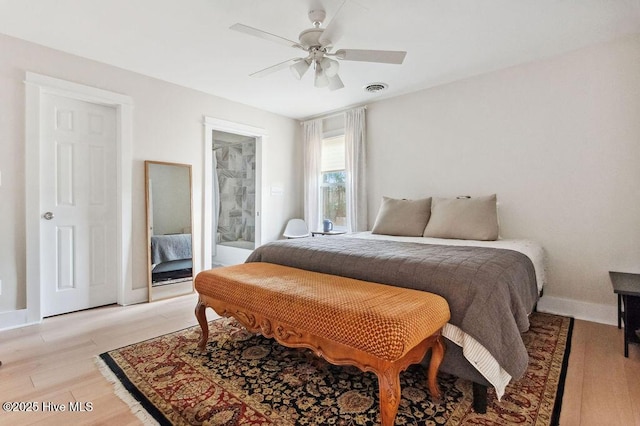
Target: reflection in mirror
x=169 y=221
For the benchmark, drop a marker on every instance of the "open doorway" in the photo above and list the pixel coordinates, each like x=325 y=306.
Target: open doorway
x=232 y=197
x=234 y=186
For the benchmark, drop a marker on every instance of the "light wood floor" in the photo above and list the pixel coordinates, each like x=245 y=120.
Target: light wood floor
x=54 y=362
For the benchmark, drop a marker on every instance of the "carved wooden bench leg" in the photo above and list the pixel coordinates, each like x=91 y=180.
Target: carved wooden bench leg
x=437 y=355
x=389 y=386
x=204 y=325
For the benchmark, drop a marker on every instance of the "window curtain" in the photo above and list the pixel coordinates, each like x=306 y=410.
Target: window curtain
x=312 y=161
x=355 y=162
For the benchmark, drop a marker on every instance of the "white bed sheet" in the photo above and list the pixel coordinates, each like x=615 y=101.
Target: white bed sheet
x=472 y=350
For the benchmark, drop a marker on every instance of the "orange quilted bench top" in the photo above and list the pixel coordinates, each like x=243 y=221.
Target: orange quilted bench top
x=382 y=320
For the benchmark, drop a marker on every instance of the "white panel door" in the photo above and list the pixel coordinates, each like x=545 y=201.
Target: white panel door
x=78 y=205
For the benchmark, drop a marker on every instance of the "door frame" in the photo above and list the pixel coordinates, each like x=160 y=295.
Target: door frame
x=37 y=86
x=260 y=135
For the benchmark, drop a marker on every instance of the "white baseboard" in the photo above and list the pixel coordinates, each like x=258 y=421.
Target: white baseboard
x=135 y=296
x=14 y=319
x=594 y=312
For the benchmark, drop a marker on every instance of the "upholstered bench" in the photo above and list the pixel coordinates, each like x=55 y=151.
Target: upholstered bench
x=375 y=327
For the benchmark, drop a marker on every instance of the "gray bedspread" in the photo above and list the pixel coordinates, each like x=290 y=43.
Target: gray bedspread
x=165 y=248
x=490 y=291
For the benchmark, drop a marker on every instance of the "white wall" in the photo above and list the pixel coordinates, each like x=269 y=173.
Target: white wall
x=167 y=126
x=558 y=141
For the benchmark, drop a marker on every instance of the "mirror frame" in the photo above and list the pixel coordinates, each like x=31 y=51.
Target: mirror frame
x=180 y=288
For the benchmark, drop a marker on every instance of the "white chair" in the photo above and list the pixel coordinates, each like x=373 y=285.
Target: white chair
x=296 y=228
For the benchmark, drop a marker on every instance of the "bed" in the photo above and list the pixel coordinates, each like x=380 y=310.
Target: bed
x=491 y=287
x=171 y=258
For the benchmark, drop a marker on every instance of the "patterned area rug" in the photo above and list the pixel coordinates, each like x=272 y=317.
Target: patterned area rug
x=246 y=379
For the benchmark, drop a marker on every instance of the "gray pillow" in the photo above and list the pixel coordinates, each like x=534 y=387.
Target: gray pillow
x=402 y=217
x=464 y=218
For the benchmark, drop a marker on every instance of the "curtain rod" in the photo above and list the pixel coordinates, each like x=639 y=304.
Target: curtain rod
x=332 y=113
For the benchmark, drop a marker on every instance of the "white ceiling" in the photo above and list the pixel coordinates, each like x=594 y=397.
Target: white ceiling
x=188 y=42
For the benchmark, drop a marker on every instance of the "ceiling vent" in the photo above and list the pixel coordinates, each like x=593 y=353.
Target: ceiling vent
x=376 y=87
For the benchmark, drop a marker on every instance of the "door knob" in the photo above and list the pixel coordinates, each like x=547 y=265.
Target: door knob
x=48 y=215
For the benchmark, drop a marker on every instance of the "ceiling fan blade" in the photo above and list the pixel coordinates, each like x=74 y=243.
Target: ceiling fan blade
x=335 y=83
x=382 y=56
x=347 y=12
x=275 y=67
x=263 y=34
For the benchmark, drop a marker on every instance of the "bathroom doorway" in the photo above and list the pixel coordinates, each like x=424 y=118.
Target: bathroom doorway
x=232 y=196
x=234 y=186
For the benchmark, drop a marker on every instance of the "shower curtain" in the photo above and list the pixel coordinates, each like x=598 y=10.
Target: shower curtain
x=216 y=204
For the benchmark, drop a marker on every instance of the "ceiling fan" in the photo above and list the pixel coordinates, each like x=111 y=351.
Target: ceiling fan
x=318 y=43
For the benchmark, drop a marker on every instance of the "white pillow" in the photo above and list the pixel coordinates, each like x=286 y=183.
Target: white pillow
x=407 y=218
x=463 y=218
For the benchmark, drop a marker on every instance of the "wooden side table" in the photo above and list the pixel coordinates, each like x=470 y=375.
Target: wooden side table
x=627 y=287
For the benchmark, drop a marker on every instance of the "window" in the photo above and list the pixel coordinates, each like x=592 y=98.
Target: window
x=333 y=193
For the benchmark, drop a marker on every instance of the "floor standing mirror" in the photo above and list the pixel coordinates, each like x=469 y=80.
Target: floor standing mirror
x=169 y=222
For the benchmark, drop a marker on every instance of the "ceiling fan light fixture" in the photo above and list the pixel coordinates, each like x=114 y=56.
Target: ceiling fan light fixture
x=321 y=79
x=318 y=42
x=335 y=83
x=300 y=68
x=330 y=66
x=340 y=53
